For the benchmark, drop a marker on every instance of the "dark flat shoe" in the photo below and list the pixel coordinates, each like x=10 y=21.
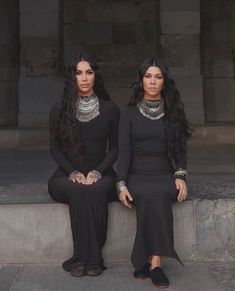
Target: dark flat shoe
x=68 y=265
x=143 y=273
x=158 y=277
x=94 y=272
x=78 y=271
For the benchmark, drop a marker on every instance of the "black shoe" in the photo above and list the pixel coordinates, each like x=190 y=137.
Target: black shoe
x=95 y=270
x=143 y=273
x=68 y=264
x=78 y=271
x=158 y=278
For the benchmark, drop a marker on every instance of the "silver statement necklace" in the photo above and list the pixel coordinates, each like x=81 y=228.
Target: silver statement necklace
x=152 y=109
x=87 y=108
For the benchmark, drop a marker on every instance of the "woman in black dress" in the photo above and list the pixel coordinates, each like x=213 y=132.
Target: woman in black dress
x=152 y=172
x=81 y=126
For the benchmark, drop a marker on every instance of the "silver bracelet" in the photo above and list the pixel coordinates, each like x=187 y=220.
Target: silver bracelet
x=181 y=172
x=73 y=174
x=97 y=174
x=121 y=186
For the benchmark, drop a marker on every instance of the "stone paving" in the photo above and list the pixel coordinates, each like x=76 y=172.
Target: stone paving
x=194 y=277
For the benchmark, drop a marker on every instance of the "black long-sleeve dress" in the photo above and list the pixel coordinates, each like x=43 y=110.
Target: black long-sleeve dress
x=144 y=165
x=88 y=204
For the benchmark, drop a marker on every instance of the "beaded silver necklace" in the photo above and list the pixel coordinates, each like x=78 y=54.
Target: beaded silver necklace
x=87 y=108
x=152 y=109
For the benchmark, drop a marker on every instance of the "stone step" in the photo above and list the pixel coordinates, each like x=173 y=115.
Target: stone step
x=48 y=277
x=40 y=233
x=38 y=138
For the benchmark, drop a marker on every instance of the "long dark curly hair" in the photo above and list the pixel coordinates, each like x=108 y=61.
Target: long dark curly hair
x=66 y=129
x=178 y=129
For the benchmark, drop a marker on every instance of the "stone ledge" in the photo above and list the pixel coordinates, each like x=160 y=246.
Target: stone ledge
x=41 y=232
x=208 y=187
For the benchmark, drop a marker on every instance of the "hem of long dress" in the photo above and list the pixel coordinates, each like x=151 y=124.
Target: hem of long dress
x=174 y=256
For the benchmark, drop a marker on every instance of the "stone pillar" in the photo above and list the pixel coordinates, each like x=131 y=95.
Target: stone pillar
x=9 y=62
x=217 y=59
x=40 y=83
x=121 y=34
x=180 y=46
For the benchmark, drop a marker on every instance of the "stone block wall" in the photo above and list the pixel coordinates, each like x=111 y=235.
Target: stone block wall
x=9 y=62
x=40 y=83
x=121 y=34
x=217 y=60
x=180 y=47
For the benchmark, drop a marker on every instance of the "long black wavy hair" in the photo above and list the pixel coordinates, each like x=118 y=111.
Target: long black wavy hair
x=66 y=129
x=178 y=129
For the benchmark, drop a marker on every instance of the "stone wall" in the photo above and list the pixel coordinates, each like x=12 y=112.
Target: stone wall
x=9 y=62
x=40 y=84
x=121 y=34
x=180 y=46
x=217 y=60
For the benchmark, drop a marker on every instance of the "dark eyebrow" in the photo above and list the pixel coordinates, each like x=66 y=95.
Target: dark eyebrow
x=85 y=71
x=158 y=74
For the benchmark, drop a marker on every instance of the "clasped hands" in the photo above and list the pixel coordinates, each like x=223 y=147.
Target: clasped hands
x=126 y=198
x=78 y=177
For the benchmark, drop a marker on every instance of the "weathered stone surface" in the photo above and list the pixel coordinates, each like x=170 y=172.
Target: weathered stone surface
x=8 y=56
x=214 y=229
x=74 y=11
x=39 y=94
x=214 y=90
x=191 y=91
x=99 y=33
x=71 y=52
x=169 y=5
x=44 y=238
x=9 y=139
x=121 y=54
x=99 y=12
x=180 y=22
x=216 y=9
x=30 y=6
x=124 y=12
x=182 y=53
x=8 y=275
x=8 y=102
x=117 y=277
x=40 y=56
x=75 y=33
x=33 y=120
x=124 y=33
x=135 y=33
x=217 y=60
x=217 y=31
x=31 y=25
x=214 y=135
x=9 y=73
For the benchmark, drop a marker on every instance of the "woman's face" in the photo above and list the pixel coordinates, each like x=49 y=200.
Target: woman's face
x=153 y=81
x=85 y=78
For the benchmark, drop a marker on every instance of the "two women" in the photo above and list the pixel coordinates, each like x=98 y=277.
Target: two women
x=153 y=132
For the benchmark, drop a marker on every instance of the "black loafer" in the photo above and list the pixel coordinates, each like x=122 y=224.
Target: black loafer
x=78 y=271
x=95 y=270
x=143 y=273
x=159 y=278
